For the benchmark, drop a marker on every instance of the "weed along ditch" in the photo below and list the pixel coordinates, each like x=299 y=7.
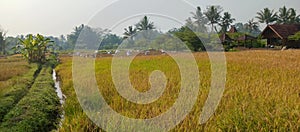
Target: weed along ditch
x=36 y=106
x=59 y=93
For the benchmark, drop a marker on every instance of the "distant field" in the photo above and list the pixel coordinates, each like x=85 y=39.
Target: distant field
x=262 y=92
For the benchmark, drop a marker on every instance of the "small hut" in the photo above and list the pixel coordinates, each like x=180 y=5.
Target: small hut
x=243 y=39
x=232 y=30
x=277 y=35
x=225 y=39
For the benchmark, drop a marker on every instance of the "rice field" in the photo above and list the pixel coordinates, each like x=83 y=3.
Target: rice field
x=11 y=67
x=262 y=92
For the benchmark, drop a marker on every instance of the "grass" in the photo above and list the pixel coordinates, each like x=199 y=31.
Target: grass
x=19 y=87
x=262 y=92
x=11 y=67
x=38 y=110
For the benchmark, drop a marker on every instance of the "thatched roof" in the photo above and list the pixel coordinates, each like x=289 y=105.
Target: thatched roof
x=281 y=31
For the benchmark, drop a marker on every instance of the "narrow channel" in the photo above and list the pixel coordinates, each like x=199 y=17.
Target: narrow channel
x=59 y=94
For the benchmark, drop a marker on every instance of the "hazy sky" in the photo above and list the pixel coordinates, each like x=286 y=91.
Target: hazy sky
x=56 y=17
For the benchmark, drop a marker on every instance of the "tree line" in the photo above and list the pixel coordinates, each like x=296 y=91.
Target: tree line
x=201 y=22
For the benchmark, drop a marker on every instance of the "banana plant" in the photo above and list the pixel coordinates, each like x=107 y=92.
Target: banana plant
x=34 y=48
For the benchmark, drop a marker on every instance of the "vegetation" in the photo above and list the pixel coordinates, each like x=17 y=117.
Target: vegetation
x=261 y=92
x=38 y=110
x=295 y=37
x=11 y=67
x=213 y=14
x=226 y=21
x=34 y=48
x=18 y=87
x=266 y=16
x=2 y=41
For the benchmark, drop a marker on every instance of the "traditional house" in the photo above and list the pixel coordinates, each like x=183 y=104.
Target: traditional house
x=225 y=39
x=243 y=39
x=278 y=34
x=232 y=30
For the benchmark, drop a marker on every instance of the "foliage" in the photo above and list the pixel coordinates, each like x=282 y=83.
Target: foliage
x=34 y=48
x=213 y=14
x=2 y=41
x=191 y=39
x=287 y=16
x=110 y=41
x=226 y=21
x=38 y=110
x=10 y=96
x=295 y=37
x=145 y=24
x=200 y=20
x=266 y=16
x=252 y=27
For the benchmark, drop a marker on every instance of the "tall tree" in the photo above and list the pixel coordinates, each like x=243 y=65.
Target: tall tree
x=145 y=24
x=213 y=16
x=293 y=17
x=226 y=21
x=266 y=16
x=72 y=38
x=129 y=32
x=251 y=26
x=2 y=41
x=283 y=16
x=200 y=20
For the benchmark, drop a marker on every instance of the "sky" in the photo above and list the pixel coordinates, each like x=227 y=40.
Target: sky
x=59 y=17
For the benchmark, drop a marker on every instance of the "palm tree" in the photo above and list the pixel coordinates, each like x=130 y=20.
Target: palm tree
x=293 y=17
x=145 y=24
x=200 y=20
x=283 y=16
x=252 y=26
x=213 y=15
x=266 y=16
x=226 y=21
x=129 y=33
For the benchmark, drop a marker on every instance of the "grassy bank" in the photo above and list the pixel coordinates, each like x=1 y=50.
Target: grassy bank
x=19 y=87
x=38 y=110
x=262 y=92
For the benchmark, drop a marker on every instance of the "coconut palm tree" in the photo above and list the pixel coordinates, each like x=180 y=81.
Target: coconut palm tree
x=226 y=21
x=251 y=25
x=200 y=20
x=213 y=16
x=145 y=24
x=129 y=33
x=283 y=16
x=293 y=17
x=266 y=16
